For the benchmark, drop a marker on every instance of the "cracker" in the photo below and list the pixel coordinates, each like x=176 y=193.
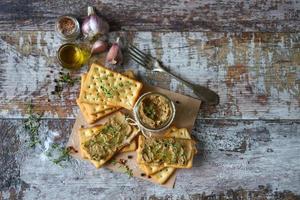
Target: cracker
x=117 y=89
x=86 y=134
x=131 y=147
x=188 y=145
x=92 y=118
x=151 y=169
x=92 y=108
x=129 y=74
x=163 y=175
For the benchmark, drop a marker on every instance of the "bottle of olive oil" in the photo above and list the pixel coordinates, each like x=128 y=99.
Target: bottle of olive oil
x=73 y=56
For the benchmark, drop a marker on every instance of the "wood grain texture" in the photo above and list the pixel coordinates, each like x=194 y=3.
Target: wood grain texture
x=257 y=75
x=237 y=158
x=157 y=15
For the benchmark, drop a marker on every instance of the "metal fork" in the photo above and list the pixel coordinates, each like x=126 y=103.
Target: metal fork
x=151 y=63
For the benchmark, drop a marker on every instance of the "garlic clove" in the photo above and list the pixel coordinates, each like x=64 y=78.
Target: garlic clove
x=99 y=47
x=112 y=54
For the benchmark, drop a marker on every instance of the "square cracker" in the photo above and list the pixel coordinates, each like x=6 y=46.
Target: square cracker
x=85 y=134
x=189 y=146
x=92 y=108
x=163 y=175
x=131 y=147
x=92 y=118
x=117 y=89
x=171 y=132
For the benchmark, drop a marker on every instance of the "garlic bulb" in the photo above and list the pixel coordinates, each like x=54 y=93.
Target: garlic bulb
x=94 y=25
x=99 y=47
x=114 y=55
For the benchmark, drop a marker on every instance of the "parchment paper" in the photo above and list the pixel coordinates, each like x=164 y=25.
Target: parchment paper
x=186 y=112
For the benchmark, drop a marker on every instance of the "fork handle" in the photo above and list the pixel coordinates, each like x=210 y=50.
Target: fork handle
x=205 y=94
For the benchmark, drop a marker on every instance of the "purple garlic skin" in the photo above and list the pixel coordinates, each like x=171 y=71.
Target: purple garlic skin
x=99 y=47
x=93 y=25
x=114 y=55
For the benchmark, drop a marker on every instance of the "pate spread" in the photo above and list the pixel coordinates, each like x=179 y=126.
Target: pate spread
x=108 y=140
x=167 y=150
x=155 y=111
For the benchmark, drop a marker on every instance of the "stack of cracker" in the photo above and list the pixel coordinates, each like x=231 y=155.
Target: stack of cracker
x=104 y=91
x=161 y=171
x=89 y=136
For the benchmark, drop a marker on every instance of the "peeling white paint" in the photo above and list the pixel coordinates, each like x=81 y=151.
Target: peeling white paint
x=251 y=59
x=230 y=56
x=186 y=54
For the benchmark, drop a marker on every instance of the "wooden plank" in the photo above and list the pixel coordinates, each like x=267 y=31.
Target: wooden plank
x=178 y=15
x=257 y=75
x=237 y=158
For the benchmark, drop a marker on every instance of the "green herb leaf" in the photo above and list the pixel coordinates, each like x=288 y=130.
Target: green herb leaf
x=64 y=155
x=149 y=110
x=113 y=162
x=65 y=79
x=31 y=125
x=107 y=92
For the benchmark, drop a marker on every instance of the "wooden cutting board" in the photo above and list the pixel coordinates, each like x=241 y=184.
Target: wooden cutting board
x=186 y=113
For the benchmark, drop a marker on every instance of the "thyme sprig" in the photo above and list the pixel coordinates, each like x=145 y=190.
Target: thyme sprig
x=58 y=154
x=123 y=166
x=32 y=125
x=150 y=111
x=65 y=79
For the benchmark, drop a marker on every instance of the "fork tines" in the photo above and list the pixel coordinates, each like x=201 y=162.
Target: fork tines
x=139 y=56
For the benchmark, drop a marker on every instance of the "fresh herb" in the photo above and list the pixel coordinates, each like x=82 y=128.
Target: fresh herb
x=129 y=171
x=124 y=167
x=113 y=162
x=107 y=92
x=164 y=150
x=65 y=79
x=31 y=125
x=149 y=110
x=63 y=154
x=112 y=128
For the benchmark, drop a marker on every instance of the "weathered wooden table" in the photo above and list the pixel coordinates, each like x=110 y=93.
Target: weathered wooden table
x=247 y=51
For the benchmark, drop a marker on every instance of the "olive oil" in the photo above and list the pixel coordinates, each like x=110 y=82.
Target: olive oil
x=73 y=56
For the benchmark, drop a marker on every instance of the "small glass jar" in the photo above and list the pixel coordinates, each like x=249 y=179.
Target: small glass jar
x=67 y=28
x=73 y=56
x=138 y=115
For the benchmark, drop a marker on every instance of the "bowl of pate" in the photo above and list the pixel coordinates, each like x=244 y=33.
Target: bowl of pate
x=154 y=111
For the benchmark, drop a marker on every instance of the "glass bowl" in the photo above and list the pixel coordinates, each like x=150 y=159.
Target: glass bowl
x=140 y=105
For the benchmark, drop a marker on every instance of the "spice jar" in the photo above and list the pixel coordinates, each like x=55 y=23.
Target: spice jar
x=67 y=28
